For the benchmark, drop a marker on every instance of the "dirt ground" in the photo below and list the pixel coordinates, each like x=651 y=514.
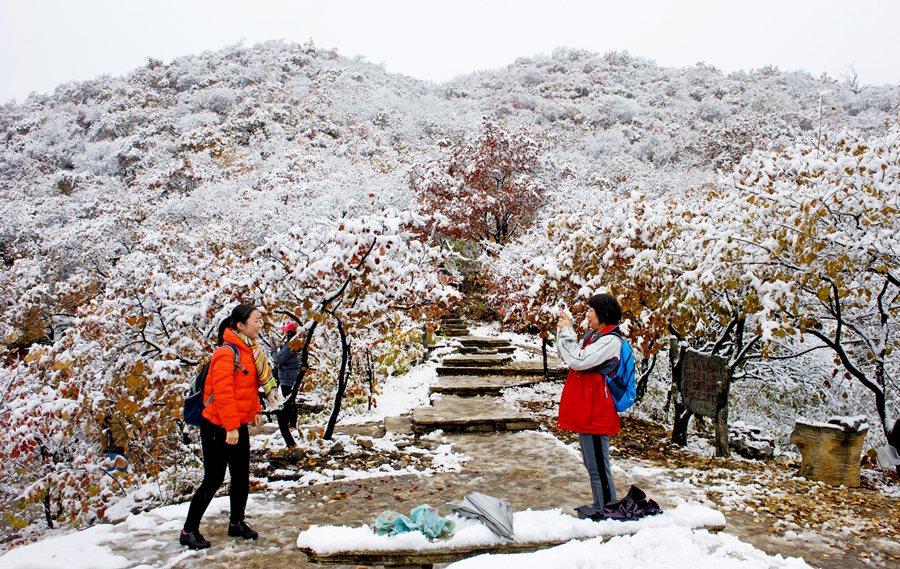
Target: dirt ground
x=848 y=528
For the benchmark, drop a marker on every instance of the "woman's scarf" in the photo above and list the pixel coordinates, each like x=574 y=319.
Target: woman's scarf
x=263 y=371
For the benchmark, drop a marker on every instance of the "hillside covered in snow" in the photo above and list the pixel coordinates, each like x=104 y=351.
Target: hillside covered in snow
x=137 y=210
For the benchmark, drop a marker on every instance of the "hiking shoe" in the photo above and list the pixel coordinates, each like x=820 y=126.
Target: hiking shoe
x=193 y=540
x=242 y=529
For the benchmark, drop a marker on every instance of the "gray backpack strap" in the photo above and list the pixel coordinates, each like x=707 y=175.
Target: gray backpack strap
x=237 y=358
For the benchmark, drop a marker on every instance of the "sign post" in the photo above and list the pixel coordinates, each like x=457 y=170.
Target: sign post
x=705 y=383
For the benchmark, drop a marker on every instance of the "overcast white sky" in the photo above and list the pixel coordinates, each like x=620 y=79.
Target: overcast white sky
x=47 y=42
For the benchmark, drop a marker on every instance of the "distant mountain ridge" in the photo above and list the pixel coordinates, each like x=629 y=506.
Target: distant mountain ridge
x=296 y=131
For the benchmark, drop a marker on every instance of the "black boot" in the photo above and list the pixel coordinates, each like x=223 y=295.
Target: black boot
x=242 y=529
x=193 y=540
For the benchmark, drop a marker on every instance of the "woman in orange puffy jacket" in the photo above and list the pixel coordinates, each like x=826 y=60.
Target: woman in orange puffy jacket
x=586 y=405
x=232 y=396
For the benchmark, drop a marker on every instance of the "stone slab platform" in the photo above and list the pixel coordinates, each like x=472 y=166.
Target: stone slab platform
x=469 y=415
x=468 y=386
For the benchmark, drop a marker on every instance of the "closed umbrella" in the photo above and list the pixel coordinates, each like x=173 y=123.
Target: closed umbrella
x=496 y=514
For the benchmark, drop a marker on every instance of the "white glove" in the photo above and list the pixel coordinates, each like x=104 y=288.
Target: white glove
x=275 y=399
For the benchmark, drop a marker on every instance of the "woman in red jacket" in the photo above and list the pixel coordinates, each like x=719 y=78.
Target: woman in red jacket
x=586 y=406
x=224 y=433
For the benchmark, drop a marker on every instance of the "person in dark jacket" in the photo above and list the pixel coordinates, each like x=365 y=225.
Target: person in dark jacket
x=116 y=432
x=586 y=406
x=288 y=363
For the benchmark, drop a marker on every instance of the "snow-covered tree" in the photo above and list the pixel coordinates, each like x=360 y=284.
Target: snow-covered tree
x=487 y=189
x=823 y=214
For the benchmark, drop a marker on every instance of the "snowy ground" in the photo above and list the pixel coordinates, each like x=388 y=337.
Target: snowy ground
x=659 y=544
x=668 y=546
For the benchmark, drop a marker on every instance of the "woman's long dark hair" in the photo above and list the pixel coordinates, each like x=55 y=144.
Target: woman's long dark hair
x=241 y=313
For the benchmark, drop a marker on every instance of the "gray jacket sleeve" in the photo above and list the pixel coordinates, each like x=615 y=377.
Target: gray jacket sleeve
x=605 y=348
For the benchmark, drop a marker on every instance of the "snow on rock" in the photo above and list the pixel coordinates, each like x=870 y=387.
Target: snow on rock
x=855 y=423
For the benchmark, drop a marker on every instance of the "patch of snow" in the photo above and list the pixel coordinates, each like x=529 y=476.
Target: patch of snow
x=400 y=394
x=80 y=550
x=672 y=547
x=528 y=526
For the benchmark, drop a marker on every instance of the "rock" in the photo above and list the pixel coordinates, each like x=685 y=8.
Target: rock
x=752 y=450
x=748 y=442
x=367 y=443
x=830 y=452
x=336 y=448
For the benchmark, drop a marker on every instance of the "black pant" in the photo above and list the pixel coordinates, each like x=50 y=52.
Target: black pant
x=287 y=418
x=217 y=454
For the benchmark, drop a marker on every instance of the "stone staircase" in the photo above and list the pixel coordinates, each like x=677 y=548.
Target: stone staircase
x=467 y=396
x=454 y=326
x=479 y=356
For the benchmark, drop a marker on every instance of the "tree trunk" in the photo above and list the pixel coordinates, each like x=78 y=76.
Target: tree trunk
x=342 y=383
x=46 y=499
x=682 y=414
x=304 y=365
x=647 y=368
x=682 y=420
x=370 y=375
x=544 y=353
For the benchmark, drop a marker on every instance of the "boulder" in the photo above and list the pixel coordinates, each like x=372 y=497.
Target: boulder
x=830 y=451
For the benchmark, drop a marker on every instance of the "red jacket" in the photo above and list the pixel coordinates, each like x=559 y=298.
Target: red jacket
x=586 y=405
x=235 y=393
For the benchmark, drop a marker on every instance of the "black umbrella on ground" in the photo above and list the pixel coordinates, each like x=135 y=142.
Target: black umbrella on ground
x=496 y=514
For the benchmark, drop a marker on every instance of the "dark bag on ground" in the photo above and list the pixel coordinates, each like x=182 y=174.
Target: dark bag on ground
x=633 y=506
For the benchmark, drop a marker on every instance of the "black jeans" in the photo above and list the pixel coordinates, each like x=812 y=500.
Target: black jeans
x=287 y=418
x=217 y=455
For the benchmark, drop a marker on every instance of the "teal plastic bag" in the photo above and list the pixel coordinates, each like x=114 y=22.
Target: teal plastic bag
x=429 y=522
x=422 y=518
x=390 y=522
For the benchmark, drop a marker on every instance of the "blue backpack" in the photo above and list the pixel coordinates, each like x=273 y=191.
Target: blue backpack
x=621 y=384
x=193 y=397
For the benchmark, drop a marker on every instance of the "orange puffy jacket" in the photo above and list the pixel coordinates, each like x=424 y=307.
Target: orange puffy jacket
x=235 y=393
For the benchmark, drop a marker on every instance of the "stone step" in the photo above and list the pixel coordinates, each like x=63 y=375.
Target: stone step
x=455 y=333
x=476 y=360
x=526 y=369
x=485 y=351
x=482 y=342
x=469 y=414
x=453 y=320
x=471 y=386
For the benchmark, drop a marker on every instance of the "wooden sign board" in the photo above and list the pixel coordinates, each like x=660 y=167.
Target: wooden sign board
x=702 y=378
